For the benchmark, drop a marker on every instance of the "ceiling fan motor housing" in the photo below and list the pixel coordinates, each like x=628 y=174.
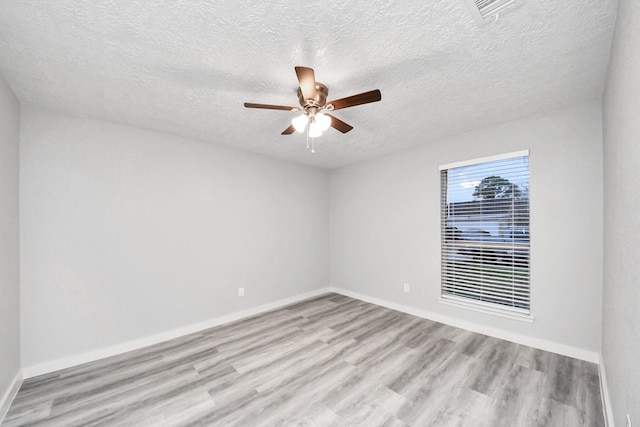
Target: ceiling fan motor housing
x=321 y=97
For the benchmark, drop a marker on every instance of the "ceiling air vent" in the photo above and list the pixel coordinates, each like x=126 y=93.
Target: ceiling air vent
x=484 y=10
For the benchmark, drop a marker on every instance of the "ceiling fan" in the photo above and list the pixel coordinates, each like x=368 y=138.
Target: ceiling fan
x=313 y=105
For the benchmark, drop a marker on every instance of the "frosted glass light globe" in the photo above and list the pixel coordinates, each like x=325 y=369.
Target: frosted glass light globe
x=323 y=121
x=300 y=122
x=314 y=130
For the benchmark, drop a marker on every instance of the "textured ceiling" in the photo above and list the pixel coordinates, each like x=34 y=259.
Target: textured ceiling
x=186 y=67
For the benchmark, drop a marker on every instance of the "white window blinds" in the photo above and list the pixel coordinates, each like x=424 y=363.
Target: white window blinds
x=485 y=232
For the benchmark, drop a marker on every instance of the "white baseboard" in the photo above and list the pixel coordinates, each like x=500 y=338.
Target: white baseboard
x=68 y=362
x=554 y=347
x=9 y=395
x=606 y=398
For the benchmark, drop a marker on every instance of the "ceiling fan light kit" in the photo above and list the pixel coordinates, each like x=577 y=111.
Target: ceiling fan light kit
x=312 y=97
x=318 y=122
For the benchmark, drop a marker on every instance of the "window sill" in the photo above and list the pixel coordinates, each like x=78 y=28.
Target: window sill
x=522 y=317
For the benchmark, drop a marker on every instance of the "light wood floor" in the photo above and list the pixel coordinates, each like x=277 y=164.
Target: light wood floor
x=329 y=361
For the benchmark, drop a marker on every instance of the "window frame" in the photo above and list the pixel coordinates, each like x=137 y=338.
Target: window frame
x=447 y=244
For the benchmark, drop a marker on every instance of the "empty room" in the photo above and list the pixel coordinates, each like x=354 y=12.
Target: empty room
x=359 y=213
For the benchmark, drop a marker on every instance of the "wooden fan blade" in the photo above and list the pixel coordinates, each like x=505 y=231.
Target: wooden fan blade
x=339 y=124
x=269 y=107
x=361 y=98
x=307 y=80
x=289 y=130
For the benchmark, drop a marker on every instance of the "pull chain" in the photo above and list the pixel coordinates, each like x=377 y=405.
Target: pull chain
x=313 y=147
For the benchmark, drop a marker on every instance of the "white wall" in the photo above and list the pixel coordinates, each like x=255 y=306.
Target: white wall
x=128 y=233
x=9 y=240
x=385 y=224
x=621 y=299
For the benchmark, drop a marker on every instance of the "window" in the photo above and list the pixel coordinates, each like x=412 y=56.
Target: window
x=485 y=233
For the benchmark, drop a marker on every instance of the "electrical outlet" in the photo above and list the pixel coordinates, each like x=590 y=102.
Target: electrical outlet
x=240 y=292
x=406 y=287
